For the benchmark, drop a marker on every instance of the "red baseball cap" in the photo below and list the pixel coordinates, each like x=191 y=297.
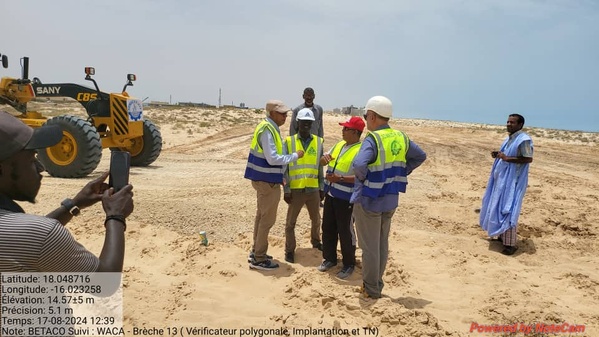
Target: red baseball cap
x=355 y=123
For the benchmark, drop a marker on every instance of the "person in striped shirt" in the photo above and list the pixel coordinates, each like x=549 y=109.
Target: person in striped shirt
x=32 y=243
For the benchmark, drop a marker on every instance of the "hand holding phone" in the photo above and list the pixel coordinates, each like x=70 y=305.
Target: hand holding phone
x=120 y=162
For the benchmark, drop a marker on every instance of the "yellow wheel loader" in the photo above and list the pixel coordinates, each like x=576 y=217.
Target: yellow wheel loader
x=114 y=121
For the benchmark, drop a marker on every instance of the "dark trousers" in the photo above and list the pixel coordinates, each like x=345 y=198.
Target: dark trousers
x=337 y=222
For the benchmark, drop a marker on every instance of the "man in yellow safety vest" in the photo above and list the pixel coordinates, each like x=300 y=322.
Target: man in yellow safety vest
x=305 y=182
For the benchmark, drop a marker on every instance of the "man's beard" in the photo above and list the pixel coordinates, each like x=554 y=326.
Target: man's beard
x=18 y=195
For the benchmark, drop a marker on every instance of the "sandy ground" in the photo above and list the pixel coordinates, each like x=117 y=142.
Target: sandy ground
x=443 y=273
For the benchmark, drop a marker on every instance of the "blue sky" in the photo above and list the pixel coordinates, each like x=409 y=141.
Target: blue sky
x=469 y=60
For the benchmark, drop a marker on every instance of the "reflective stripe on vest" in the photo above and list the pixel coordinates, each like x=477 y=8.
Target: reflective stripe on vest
x=258 y=168
x=387 y=175
x=342 y=165
x=304 y=172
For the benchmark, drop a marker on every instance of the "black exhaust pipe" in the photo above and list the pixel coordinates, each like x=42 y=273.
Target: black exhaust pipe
x=25 y=68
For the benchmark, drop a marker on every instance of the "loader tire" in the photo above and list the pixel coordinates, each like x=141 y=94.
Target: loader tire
x=145 y=149
x=77 y=154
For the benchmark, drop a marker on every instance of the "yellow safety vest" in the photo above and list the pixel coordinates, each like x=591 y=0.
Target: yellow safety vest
x=387 y=174
x=257 y=168
x=342 y=165
x=304 y=172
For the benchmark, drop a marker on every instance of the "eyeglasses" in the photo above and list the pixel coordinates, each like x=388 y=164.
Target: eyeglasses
x=365 y=116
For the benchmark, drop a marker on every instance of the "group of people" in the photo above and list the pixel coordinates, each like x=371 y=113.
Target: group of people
x=360 y=187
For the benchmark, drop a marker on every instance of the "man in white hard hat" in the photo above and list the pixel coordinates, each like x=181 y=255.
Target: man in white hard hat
x=305 y=183
x=381 y=167
x=265 y=166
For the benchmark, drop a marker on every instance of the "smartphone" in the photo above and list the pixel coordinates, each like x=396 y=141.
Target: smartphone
x=120 y=162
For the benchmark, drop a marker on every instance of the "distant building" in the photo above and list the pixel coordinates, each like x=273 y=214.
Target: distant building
x=196 y=105
x=232 y=106
x=158 y=103
x=352 y=110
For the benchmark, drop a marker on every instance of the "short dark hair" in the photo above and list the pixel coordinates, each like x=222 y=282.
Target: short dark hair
x=308 y=90
x=520 y=118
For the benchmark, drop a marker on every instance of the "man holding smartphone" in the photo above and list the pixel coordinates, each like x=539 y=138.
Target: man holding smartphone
x=31 y=243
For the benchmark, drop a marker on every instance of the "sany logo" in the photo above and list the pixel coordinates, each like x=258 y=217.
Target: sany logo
x=47 y=90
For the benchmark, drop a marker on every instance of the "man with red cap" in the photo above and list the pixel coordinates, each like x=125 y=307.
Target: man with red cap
x=337 y=215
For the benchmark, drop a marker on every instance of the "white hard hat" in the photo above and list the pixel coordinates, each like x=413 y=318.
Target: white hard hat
x=305 y=114
x=381 y=105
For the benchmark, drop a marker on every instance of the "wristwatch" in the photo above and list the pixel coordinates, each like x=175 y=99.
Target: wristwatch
x=70 y=206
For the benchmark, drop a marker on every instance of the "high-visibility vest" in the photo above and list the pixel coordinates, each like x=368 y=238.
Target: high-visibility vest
x=257 y=168
x=387 y=175
x=304 y=172
x=341 y=164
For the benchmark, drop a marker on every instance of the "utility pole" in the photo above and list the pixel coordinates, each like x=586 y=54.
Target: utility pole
x=219 y=97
